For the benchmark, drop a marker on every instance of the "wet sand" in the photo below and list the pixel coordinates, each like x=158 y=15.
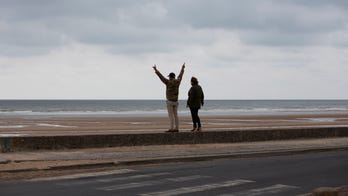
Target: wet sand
x=12 y=126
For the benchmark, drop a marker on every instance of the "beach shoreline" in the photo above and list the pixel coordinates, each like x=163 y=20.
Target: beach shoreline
x=79 y=125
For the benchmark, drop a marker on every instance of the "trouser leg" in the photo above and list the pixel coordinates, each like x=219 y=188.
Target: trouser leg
x=193 y=116
x=175 y=115
x=198 y=119
x=170 y=115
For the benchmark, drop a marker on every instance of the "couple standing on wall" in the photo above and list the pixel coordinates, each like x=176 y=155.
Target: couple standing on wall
x=194 y=102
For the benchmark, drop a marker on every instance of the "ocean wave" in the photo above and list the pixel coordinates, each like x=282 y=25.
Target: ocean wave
x=275 y=110
x=158 y=107
x=81 y=113
x=182 y=112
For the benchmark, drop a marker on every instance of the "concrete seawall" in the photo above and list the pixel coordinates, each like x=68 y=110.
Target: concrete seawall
x=31 y=143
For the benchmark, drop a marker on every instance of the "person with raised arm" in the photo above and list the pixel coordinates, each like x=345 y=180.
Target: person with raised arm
x=172 y=94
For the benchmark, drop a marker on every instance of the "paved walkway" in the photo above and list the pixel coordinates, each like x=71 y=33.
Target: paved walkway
x=50 y=160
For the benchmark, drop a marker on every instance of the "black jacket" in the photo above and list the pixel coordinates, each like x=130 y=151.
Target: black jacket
x=195 y=97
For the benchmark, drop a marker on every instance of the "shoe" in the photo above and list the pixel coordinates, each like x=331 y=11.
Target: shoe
x=199 y=129
x=193 y=130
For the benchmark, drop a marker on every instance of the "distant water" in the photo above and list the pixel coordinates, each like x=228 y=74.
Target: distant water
x=158 y=107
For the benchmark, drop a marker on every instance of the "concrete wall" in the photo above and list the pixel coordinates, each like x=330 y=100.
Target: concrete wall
x=228 y=136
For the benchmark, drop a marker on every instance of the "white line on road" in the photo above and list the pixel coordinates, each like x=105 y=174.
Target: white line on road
x=151 y=183
x=83 y=175
x=192 y=189
x=263 y=191
x=135 y=177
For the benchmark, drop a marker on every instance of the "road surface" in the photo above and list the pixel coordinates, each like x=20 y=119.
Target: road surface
x=279 y=175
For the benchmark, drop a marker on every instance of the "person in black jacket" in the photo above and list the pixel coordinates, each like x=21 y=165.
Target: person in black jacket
x=194 y=102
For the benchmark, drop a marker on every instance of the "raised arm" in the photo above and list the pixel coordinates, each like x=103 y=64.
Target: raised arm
x=162 y=78
x=181 y=72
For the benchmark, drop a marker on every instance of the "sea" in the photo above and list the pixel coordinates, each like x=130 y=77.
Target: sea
x=129 y=108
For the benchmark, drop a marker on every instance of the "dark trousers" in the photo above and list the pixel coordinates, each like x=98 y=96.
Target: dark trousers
x=195 y=118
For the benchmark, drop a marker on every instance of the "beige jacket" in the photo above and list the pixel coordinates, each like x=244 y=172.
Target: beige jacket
x=172 y=85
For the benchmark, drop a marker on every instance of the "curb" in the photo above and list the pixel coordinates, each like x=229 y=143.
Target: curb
x=226 y=155
x=30 y=143
x=327 y=191
x=176 y=159
x=84 y=165
x=4 y=161
x=63 y=167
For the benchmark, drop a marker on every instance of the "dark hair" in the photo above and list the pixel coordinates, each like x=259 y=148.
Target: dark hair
x=171 y=75
x=194 y=81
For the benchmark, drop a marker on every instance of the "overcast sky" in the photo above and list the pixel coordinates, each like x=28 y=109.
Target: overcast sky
x=105 y=49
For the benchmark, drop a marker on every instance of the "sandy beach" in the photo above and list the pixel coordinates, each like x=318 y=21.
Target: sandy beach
x=12 y=126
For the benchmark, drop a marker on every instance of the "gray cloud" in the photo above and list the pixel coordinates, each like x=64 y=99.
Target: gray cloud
x=103 y=48
x=126 y=26
x=269 y=22
x=285 y=16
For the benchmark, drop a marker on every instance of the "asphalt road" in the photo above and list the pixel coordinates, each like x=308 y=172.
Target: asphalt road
x=280 y=175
